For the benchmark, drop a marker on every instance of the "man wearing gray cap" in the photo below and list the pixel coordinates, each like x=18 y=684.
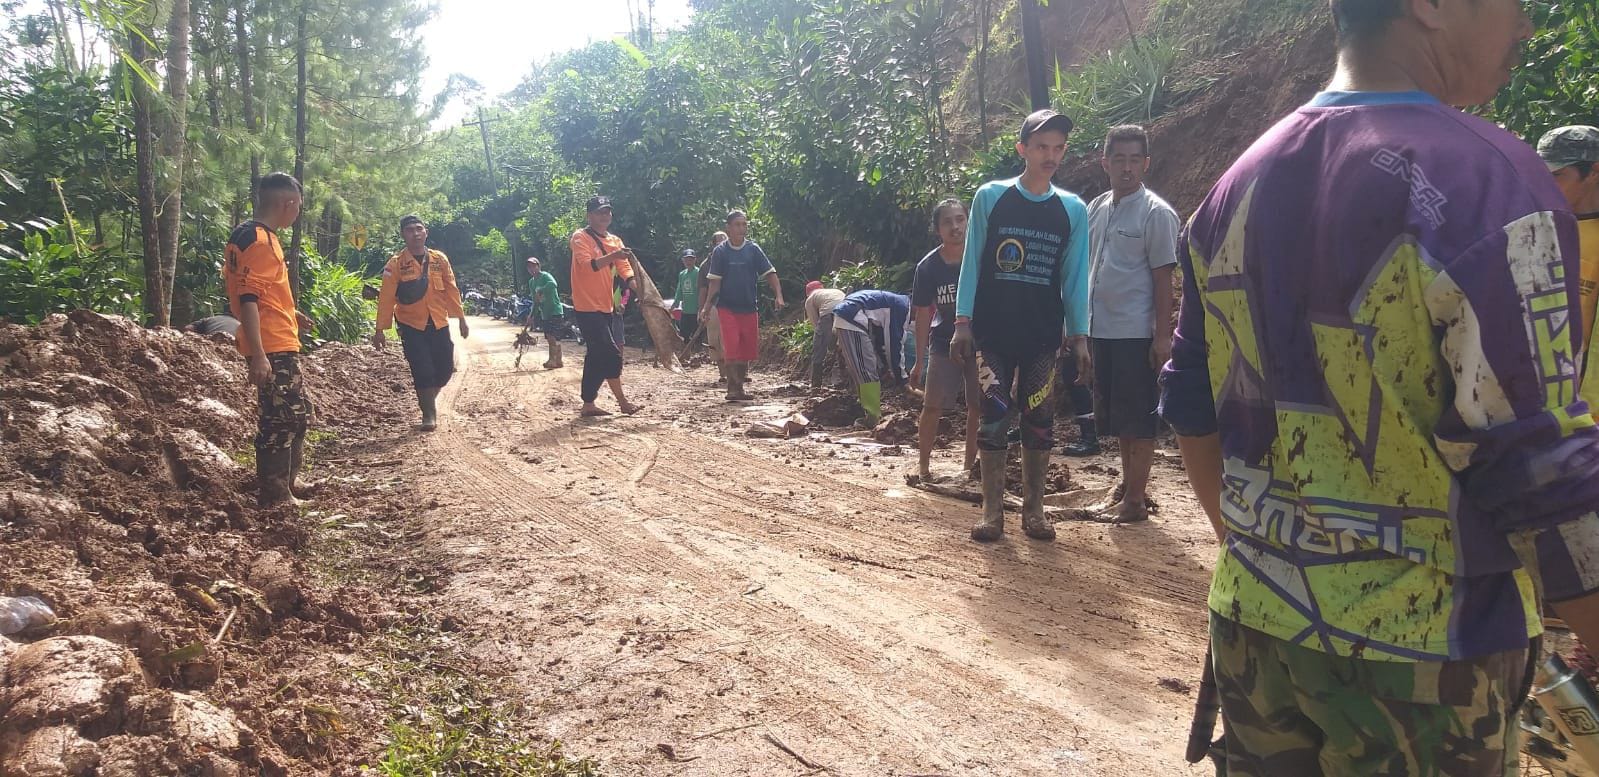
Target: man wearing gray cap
x=1572 y=154
x=1023 y=293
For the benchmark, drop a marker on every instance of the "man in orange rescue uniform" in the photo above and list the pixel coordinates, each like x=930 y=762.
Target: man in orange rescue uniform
x=419 y=295
x=598 y=258
x=256 y=280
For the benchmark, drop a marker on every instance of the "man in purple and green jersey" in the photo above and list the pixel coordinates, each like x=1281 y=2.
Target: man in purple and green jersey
x=1373 y=379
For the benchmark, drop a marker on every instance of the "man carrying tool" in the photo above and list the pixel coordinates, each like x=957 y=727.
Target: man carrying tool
x=707 y=311
x=933 y=297
x=819 y=304
x=548 y=310
x=1132 y=236
x=1023 y=286
x=1374 y=383
x=256 y=280
x=737 y=267
x=598 y=258
x=870 y=325
x=687 y=297
x=419 y=296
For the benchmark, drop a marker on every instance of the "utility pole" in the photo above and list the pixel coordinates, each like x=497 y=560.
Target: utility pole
x=1033 y=53
x=482 y=124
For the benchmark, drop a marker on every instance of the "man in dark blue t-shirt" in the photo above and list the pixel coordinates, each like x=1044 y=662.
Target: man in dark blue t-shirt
x=736 y=269
x=1023 y=287
x=933 y=303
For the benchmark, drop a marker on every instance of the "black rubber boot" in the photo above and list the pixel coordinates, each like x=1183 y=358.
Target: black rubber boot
x=1087 y=443
x=427 y=399
x=274 y=476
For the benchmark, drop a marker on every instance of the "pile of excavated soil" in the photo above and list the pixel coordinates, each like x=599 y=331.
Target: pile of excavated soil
x=188 y=629
x=839 y=409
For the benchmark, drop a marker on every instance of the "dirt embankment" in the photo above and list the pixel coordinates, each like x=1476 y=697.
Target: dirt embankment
x=190 y=634
x=1192 y=146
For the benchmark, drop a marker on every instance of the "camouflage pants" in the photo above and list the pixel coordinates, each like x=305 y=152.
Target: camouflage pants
x=285 y=409
x=1290 y=710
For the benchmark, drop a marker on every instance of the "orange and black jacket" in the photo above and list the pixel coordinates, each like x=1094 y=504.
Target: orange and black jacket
x=253 y=270
x=442 y=300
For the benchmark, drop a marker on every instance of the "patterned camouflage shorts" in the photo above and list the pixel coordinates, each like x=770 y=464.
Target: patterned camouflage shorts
x=1290 y=710
x=285 y=408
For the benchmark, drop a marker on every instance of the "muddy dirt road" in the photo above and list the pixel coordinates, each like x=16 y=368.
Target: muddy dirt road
x=678 y=598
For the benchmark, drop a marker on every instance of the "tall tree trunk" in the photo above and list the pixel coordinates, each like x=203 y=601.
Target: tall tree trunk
x=174 y=145
x=329 y=229
x=155 y=301
x=247 y=87
x=983 y=24
x=301 y=33
x=519 y=254
x=65 y=59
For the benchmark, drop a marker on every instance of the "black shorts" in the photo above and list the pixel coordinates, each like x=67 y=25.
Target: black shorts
x=552 y=325
x=1125 y=391
x=430 y=352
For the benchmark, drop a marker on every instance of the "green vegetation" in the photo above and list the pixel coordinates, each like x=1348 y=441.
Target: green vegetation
x=1558 y=82
x=445 y=721
x=797 y=338
x=50 y=273
x=148 y=122
x=332 y=297
x=1131 y=85
x=835 y=124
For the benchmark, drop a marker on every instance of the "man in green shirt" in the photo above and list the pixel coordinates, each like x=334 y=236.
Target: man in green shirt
x=547 y=308
x=687 y=297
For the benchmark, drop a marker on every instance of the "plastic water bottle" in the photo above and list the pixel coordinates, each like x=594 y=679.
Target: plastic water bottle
x=23 y=612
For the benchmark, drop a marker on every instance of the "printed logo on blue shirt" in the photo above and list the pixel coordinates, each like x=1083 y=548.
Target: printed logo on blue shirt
x=1011 y=255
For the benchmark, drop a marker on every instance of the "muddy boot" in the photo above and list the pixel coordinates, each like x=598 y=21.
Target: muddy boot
x=735 y=389
x=297 y=487
x=993 y=525
x=427 y=399
x=554 y=362
x=274 y=476
x=1035 y=470
x=744 y=381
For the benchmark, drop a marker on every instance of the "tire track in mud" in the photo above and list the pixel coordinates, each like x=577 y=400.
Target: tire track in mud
x=843 y=651
x=967 y=625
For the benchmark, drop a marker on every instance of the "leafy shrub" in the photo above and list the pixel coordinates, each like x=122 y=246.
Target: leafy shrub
x=871 y=275
x=997 y=161
x=796 y=338
x=1558 y=81
x=1131 y=85
x=52 y=275
x=332 y=297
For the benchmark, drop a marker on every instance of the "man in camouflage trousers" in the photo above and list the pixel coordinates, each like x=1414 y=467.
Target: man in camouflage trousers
x=1373 y=381
x=256 y=280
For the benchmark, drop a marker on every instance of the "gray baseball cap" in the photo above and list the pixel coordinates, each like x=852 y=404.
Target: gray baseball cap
x=1567 y=146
